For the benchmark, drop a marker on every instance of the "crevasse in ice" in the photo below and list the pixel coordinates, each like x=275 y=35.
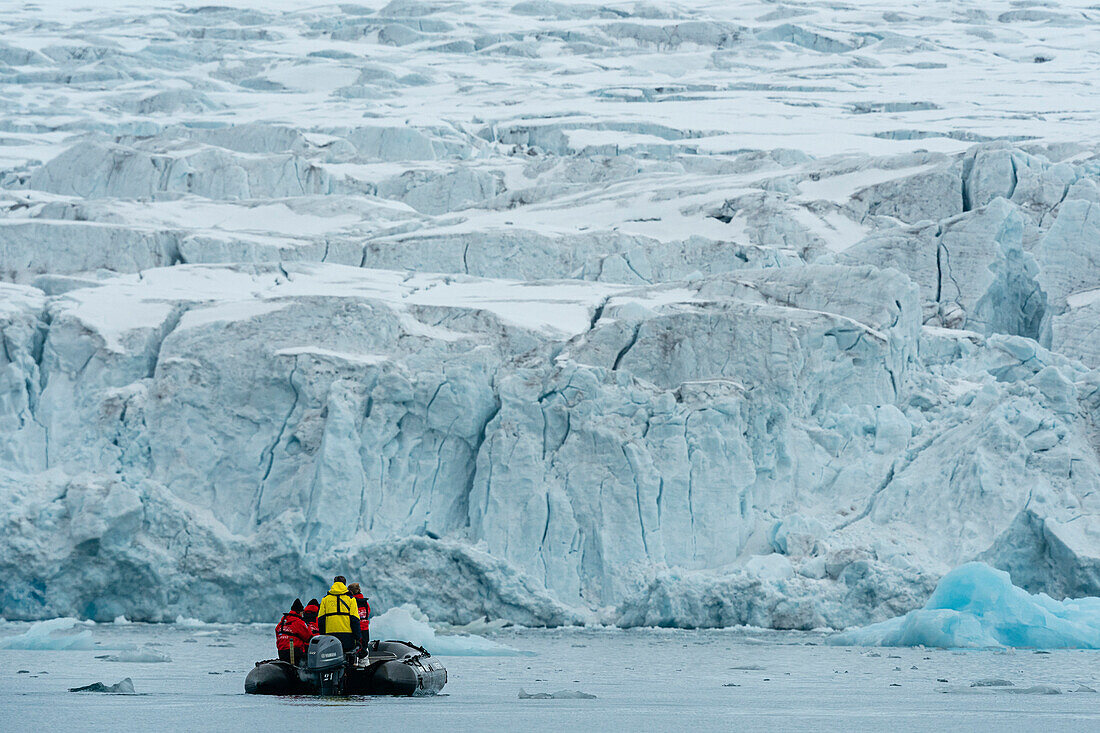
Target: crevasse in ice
x=293 y=293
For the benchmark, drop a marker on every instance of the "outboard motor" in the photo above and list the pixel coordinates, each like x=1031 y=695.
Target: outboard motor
x=325 y=664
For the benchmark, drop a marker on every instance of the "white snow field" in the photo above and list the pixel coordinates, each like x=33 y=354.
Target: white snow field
x=645 y=314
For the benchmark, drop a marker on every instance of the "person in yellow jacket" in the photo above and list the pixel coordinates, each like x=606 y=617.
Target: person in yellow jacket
x=338 y=615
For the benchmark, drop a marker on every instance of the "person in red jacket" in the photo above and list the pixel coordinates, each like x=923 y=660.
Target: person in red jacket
x=364 y=611
x=309 y=615
x=292 y=635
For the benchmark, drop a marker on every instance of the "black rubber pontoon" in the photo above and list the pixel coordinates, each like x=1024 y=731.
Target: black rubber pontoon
x=390 y=668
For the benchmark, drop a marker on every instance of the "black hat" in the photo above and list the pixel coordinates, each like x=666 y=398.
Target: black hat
x=313 y=602
x=297 y=605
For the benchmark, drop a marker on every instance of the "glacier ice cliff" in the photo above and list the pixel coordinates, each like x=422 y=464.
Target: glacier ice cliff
x=694 y=341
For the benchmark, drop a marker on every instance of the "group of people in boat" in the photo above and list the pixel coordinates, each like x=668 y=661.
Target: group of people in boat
x=343 y=613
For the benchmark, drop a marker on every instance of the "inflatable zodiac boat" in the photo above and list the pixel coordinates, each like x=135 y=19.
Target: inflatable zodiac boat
x=390 y=668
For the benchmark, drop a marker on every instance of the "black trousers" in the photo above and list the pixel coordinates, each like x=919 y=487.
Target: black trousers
x=299 y=656
x=347 y=639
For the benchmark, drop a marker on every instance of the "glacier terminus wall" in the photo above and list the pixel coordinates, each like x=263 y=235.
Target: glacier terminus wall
x=674 y=314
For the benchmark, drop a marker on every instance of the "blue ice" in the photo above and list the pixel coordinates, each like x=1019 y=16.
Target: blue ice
x=408 y=623
x=50 y=634
x=977 y=606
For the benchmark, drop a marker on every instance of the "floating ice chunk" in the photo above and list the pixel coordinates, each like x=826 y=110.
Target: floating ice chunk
x=977 y=606
x=1035 y=690
x=122 y=687
x=140 y=655
x=50 y=635
x=121 y=621
x=188 y=621
x=408 y=623
x=477 y=626
x=559 y=695
x=997 y=686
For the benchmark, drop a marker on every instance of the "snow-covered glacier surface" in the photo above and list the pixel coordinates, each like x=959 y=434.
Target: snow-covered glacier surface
x=639 y=313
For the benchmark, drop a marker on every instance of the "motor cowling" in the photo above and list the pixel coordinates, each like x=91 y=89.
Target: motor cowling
x=325 y=665
x=325 y=653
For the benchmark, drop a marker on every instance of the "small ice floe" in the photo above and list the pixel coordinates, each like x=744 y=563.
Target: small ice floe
x=408 y=623
x=182 y=620
x=559 y=695
x=1035 y=690
x=997 y=685
x=478 y=626
x=139 y=655
x=991 y=682
x=122 y=687
x=55 y=634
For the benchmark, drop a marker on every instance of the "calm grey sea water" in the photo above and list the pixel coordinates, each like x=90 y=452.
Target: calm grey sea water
x=643 y=680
